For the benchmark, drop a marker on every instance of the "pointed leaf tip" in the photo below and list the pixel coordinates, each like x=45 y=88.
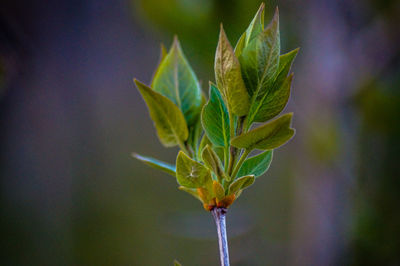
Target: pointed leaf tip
x=157 y=164
x=176 y=40
x=259 y=58
x=275 y=18
x=256 y=25
x=176 y=80
x=229 y=78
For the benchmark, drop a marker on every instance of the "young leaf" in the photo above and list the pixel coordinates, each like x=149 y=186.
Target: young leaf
x=285 y=63
x=215 y=119
x=203 y=143
x=226 y=201
x=271 y=104
x=191 y=191
x=260 y=59
x=212 y=161
x=176 y=80
x=220 y=152
x=268 y=136
x=277 y=96
x=194 y=135
x=166 y=167
x=219 y=190
x=241 y=183
x=168 y=119
x=206 y=195
x=256 y=25
x=190 y=173
x=240 y=45
x=256 y=165
x=229 y=78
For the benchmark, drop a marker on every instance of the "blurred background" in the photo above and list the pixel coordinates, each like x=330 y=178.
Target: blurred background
x=70 y=116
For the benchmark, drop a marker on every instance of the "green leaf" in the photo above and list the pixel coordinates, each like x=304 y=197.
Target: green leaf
x=260 y=59
x=206 y=194
x=190 y=173
x=256 y=25
x=176 y=80
x=256 y=165
x=203 y=143
x=240 y=45
x=219 y=190
x=168 y=119
x=229 y=78
x=194 y=135
x=271 y=104
x=166 y=167
x=275 y=99
x=191 y=191
x=241 y=183
x=212 y=161
x=220 y=152
x=268 y=136
x=215 y=119
x=285 y=64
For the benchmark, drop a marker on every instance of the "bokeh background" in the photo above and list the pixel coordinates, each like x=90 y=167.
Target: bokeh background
x=70 y=116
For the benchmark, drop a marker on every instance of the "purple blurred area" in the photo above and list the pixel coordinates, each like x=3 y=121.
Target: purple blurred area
x=70 y=117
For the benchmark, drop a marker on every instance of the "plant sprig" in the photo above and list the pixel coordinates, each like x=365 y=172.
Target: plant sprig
x=252 y=85
x=217 y=136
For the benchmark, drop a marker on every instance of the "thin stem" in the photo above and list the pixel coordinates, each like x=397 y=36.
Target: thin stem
x=226 y=158
x=219 y=218
x=239 y=164
x=246 y=124
x=240 y=123
x=231 y=149
x=231 y=124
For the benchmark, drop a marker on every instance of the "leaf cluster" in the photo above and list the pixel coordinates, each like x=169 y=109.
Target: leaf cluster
x=216 y=136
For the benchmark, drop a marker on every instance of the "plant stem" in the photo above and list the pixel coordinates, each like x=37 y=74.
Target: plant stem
x=240 y=123
x=226 y=158
x=239 y=164
x=219 y=217
x=231 y=159
x=231 y=123
x=232 y=135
